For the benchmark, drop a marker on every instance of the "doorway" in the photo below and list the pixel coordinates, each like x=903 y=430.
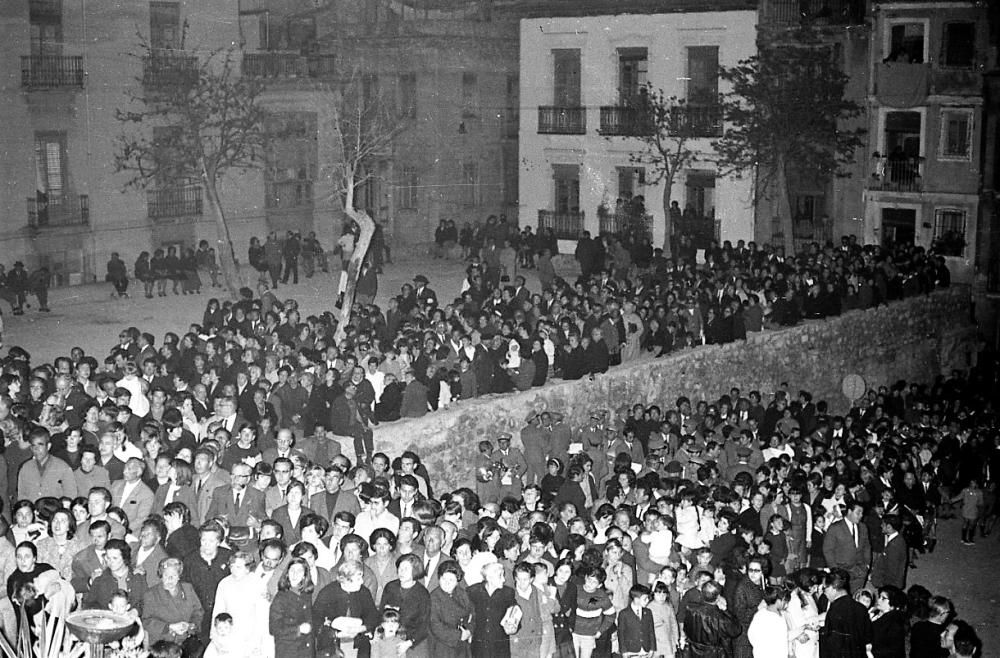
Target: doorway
x=899 y=226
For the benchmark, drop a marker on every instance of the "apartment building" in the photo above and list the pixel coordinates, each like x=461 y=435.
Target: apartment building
x=67 y=67
x=579 y=70
x=925 y=122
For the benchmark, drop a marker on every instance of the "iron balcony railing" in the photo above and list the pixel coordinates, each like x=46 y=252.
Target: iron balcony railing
x=622 y=223
x=58 y=210
x=52 y=72
x=696 y=120
x=565 y=225
x=183 y=201
x=624 y=121
x=169 y=68
x=275 y=65
x=557 y=120
x=815 y=12
x=896 y=174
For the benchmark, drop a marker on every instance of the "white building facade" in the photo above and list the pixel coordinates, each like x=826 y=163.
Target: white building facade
x=576 y=75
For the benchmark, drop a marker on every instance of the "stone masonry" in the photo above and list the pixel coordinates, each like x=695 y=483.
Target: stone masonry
x=915 y=339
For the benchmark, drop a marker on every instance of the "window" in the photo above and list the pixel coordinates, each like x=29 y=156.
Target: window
x=956 y=134
x=566 y=78
x=470 y=95
x=906 y=43
x=949 y=231
x=808 y=207
x=301 y=32
x=703 y=75
x=45 y=18
x=50 y=163
x=700 y=195
x=509 y=163
x=959 y=45
x=165 y=25
x=566 y=184
x=290 y=159
x=630 y=182
x=902 y=134
x=633 y=65
x=408 y=95
x=470 y=184
x=408 y=185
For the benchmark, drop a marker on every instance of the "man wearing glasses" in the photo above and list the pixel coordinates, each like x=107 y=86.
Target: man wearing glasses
x=239 y=504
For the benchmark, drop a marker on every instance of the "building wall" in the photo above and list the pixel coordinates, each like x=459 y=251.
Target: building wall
x=443 y=136
x=666 y=36
x=929 y=88
x=105 y=33
x=915 y=339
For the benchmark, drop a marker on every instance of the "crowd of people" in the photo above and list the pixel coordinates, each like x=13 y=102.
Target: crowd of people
x=221 y=509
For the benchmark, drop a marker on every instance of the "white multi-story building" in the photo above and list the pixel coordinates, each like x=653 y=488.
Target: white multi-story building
x=576 y=137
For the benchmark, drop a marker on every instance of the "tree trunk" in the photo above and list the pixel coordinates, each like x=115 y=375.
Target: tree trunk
x=668 y=224
x=367 y=226
x=224 y=241
x=785 y=207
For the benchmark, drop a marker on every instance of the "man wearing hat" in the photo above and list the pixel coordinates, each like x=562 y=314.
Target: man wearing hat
x=514 y=466
x=535 y=440
x=423 y=292
x=592 y=438
x=560 y=435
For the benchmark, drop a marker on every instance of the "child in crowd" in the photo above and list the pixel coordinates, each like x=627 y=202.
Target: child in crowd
x=120 y=606
x=660 y=540
x=389 y=640
x=635 y=624
x=224 y=644
x=665 y=626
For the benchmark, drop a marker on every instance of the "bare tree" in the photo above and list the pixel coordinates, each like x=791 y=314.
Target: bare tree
x=365 y=125
x=664 y=126
x=192 y=119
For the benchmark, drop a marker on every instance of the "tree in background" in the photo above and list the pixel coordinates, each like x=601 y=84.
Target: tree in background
x=664 y=126
x=786 y=111
x=192 y=119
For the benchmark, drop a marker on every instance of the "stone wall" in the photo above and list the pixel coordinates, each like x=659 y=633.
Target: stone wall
x=915 y=339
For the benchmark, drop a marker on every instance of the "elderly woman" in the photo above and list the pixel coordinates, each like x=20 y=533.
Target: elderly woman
x=118 y=575
x=408 y=595
x=383 y=561
x=61 y=544
x=171 y=611
x=244 y=596
x=290 y=617
x=345 y=611
x=451 y=614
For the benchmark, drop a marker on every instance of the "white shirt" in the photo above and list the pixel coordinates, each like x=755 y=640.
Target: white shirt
x=138 y=402
x=768 y=635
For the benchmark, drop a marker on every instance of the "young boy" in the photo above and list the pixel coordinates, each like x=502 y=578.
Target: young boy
x=120 y=606
x=635 y=624
x=223 y=644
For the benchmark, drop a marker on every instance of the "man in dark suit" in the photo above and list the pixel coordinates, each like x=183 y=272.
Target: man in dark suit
x=409 y=495
x=239 y=504
x=328 y=503
x=847 y=546
x=889 y=566
x=90 y=559
x=423 y=292
x=347 y=420
x=433 y=538
x=847 y=632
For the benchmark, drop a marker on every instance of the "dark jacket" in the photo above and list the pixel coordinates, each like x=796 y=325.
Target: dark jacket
x=847 y=630
x=710 y=631
x=289 y=610
x=634 y=634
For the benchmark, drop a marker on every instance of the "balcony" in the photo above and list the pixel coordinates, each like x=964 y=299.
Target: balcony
x=169 y=69
x=901 y=84
x=621 y=121
x=701 y=231
x=566 y=225
x=624 y=223
x=184 y=201
x=892 y=174
x=64 y=210
x=48 y=72
x=696 y=120
x=554 y=120
x=792 y=13
x=275 y=65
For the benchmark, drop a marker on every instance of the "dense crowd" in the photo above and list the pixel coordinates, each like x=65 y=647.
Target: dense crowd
x=207 y=488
